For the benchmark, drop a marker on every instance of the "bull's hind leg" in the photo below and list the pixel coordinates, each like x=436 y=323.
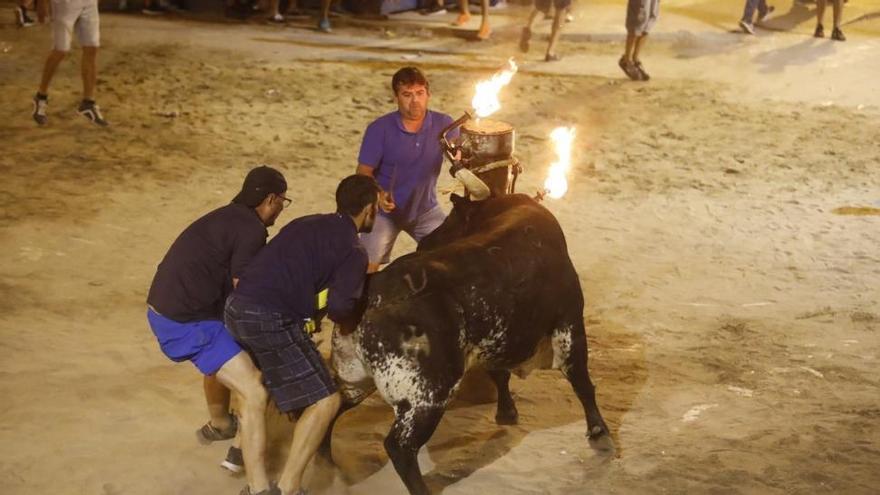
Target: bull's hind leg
x=506 y=413
x=412 y=428
x=570 y=356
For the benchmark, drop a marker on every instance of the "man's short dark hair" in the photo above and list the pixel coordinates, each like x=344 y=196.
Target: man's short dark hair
x=408 y=76
x=355 y=192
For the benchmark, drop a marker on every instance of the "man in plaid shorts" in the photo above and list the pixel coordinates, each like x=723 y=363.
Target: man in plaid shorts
x=274 y=303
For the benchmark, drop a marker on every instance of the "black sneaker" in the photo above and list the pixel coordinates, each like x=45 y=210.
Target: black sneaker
x=643 y=76
x=208 y=433
x=819 y=32
x=434 y=10
x=630 y=69
x=90 y=110
x=40 y=105
x=234 y=462
x=837 y=35
x=21 y=17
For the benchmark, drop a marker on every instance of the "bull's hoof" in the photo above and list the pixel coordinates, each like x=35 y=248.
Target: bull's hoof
x=600 y=440
x=507 y=418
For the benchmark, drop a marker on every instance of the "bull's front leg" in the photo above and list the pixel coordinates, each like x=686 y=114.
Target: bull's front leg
x=412 y=428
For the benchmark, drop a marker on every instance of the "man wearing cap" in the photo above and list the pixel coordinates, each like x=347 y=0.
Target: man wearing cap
x=402 y=151
x=185 y=312
x=274 y=304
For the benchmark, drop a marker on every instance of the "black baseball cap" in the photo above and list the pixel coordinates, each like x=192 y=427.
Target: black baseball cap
x=259 y=183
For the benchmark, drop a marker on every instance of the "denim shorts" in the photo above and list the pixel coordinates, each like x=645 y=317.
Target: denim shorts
x=294 y=372
x=380 y=241
x=206 y=343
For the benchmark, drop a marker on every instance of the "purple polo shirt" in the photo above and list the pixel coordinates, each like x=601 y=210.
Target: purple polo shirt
x=406 y=163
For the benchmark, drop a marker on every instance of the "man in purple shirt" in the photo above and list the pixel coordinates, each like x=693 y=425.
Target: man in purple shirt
x=402 y=151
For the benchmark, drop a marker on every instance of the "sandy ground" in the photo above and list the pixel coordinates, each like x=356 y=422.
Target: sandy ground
x=723 y=218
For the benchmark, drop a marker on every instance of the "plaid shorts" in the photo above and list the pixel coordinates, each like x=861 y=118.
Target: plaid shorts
x=293 y=371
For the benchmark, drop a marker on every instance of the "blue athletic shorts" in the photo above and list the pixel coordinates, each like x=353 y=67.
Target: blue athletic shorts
x=206 y=343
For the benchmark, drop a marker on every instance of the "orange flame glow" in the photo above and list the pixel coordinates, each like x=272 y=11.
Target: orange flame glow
x=556 y=184
x=485 y=100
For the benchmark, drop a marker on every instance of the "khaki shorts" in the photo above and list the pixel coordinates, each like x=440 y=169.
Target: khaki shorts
x=641 y=15
x=75 y=15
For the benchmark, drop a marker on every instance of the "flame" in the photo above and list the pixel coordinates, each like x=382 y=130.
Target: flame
x=556 y=184
x=485 y=100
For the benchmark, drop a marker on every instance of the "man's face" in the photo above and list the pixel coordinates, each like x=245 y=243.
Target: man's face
x=370 y=219
x=412 y=100
x=277 y=202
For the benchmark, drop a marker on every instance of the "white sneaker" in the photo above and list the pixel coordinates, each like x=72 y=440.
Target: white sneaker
x=747 y=27
x=40 y=106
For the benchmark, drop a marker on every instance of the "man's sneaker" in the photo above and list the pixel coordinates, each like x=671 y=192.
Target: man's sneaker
x=277 y=18
x=90 y=110
x=234 y=462
x=837 y=35
x=643 y=75
x=819 y=32
x=324 y=26
x=40 y=105
x=21 y=17
x=747 y=27
x=630 y=69
x=209 y=433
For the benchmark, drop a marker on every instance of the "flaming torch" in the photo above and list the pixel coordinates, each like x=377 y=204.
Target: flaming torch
x=483 y=157
x=485 y=100
x=556 y=184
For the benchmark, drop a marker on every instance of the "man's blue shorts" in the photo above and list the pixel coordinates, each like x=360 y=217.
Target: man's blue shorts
x=206 y=343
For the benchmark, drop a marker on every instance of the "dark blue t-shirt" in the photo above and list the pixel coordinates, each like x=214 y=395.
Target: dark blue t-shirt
x=194 y=278
x=308 y=255
x=406 y=163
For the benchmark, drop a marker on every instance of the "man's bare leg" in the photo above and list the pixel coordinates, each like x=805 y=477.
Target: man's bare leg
x=324 y=22
x=526 y=35
x=89 y=71
x=241 y=376
x=307 y=436
x=820 y=12
x=637 y=47
x=464 y=14
x=629 y=47
x=55 y=57
x=217 y=398
x=558 y=20
x=485 y=31
x=837 y=12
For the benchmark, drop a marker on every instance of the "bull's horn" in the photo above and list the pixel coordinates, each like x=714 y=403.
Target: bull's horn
x=473 y=184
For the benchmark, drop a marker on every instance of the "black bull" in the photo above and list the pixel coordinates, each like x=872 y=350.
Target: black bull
x=488 y=289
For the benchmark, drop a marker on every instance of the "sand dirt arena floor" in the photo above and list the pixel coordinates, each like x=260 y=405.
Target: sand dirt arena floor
x=724 y=219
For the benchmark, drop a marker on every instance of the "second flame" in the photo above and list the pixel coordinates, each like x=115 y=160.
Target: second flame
x=556 y=184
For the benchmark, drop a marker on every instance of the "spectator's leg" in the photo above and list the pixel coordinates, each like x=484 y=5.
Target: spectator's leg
x=556 y=31
x=464 y=14
x=820 y=12
x=89 y=71
x=637 y=46
x=485 y=31
x=837 y=12
x=749 y=11
x=526 y=35
x=324 y=23
x=55 y=57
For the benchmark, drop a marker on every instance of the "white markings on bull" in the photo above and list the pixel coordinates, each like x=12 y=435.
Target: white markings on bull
x=399 y=378
x=562 y=348
x=416 y=343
